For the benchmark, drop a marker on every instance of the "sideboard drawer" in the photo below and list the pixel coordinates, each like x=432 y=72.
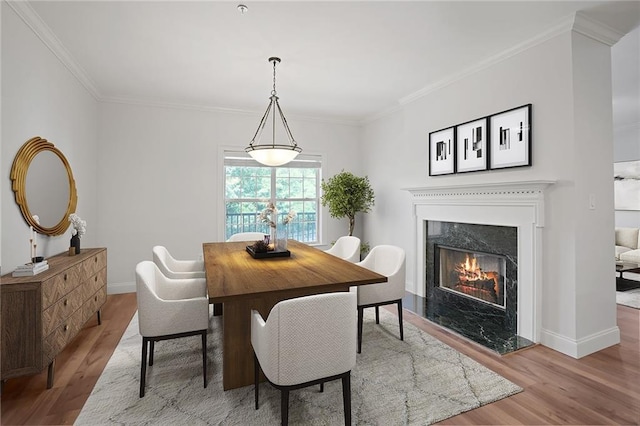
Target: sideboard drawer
x=60 y=311
x=58 y=339
x=94 y=283
x=54 y=288
x=94 y=264
x=94 y=303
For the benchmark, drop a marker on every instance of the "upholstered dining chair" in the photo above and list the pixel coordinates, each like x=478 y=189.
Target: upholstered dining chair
x=173 y=268
x=388 y=261
x=347 y=248
x=180 y=269
x=169 y=309
x=305 y=341
x=246 y=236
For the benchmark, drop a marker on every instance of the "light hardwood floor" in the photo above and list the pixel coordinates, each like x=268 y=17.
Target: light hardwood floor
x=603 y=388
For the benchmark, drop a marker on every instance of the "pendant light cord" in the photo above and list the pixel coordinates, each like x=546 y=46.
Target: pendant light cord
x=273 y=92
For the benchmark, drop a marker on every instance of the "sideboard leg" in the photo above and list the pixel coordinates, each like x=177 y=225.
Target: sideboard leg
x=50 y=372
x=99 y=318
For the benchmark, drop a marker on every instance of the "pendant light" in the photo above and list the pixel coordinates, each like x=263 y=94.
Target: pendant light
x=273 y=154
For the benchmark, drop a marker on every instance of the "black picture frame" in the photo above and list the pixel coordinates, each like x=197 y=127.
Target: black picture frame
x=472 y=145
x=442 y=152
x=510 y=138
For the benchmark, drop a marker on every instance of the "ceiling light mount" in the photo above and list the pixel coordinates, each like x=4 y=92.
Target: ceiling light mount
x=243 y=9
x=273 y=154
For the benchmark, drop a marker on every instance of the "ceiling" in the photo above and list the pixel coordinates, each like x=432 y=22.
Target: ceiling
x=340 y=60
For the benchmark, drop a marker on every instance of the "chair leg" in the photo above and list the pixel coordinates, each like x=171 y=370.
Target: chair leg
x=360 y=318
x=284 y=407
x=143 y=369
x=346 y=397
x=256 y=377
x=377 y=315
x=204 y=357
x=152 y=343
x=322 y=387
x=400 y=319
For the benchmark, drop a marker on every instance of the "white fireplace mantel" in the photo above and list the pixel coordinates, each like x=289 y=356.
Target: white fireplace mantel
x=501 y=193
x=518 y=204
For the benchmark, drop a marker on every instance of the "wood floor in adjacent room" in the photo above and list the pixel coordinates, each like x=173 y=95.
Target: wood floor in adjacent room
x=603 y=388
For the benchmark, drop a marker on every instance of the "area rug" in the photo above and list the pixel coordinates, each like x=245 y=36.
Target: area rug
x=416 y=381
x=629 y=298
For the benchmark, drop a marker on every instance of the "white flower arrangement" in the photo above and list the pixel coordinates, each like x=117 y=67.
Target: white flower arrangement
x=79 y=225
x=269 y=215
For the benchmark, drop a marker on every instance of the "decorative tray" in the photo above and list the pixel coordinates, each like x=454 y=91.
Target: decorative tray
x=268 y=254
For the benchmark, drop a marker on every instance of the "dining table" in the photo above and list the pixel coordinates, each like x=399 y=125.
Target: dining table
x=242 y=283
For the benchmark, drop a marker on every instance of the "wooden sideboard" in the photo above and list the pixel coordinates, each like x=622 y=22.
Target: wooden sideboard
x=40 y=315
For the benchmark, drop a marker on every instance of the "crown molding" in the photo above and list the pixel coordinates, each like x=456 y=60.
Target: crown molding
x=24 y=10
x=221 y=110
x=384 y=113
x=578 y=22
x=589 y=27
x=560 y=28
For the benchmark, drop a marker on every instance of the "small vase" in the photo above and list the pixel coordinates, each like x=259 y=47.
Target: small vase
x=273 y=234
x=75 y=243
x=282 y=235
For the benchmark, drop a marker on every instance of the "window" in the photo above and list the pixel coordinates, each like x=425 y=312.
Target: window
x=250 y=186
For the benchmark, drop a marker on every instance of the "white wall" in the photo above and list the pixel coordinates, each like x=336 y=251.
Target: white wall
x=160 y=178
x=567 y=147
x=41 y=98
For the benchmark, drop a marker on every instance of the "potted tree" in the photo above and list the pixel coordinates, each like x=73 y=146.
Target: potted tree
x=346 y=195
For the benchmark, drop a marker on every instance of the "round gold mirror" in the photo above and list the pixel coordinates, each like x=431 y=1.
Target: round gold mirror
x=44 y=186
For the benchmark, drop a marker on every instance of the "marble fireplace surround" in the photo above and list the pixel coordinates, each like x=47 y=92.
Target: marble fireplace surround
x=516 y=204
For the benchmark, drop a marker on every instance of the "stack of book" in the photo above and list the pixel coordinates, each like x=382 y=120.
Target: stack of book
x=30 y=269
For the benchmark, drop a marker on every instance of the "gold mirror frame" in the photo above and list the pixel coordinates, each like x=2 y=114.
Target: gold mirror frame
x=19 y=170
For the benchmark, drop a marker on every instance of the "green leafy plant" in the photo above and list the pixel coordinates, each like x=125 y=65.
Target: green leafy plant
x=346 y=195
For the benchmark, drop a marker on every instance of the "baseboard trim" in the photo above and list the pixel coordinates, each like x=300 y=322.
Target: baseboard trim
x=120 y=288
x=581 y=347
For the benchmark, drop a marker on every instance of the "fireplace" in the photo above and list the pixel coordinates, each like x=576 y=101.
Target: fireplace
x=477 y=275
x=472 y=281
x=514 y=213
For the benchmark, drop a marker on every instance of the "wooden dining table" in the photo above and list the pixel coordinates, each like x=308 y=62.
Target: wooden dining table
x=242 y=283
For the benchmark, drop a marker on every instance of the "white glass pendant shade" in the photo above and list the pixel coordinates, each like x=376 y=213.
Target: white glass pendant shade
x=274 y=156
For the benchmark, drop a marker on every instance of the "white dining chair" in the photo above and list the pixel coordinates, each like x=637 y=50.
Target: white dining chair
x=389 y=261
x=246 y=236
x=173 y=268
x=346 y=247
x=180 y=269
x=169 y=309
x=305 y=341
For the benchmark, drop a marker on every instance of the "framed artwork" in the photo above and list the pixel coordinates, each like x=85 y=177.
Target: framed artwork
x=626 y=185
x=442 y=152
x=471 y=146
x=510 y=138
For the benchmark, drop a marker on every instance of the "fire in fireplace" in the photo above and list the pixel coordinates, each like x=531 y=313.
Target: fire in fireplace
x=473 y=274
